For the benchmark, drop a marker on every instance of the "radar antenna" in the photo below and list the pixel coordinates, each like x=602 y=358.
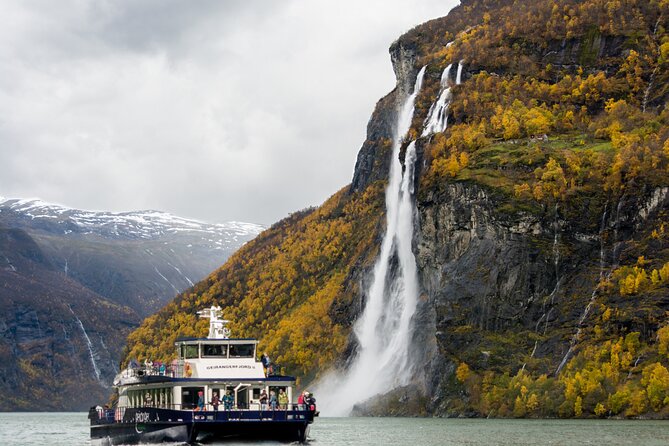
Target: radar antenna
x=217 y=325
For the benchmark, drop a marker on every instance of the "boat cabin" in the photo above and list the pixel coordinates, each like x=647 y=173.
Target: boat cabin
x=212 y=364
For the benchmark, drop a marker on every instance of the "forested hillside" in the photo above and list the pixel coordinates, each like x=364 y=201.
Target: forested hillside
x=542 y=238
x=295 y=287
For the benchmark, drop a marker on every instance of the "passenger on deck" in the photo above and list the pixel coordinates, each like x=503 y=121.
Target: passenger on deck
x=310 y=401
x=266 y=363
x=148 y=400
x=300 y=401
x=200 y=400
x=263 y=400
x=228 y=400
x=215 y=401
x=283 y=400
x=272 y=400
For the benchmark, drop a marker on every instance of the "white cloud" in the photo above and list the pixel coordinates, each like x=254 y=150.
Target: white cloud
x=215 y=110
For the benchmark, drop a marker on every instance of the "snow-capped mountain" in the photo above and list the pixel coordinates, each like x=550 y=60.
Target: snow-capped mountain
x=141 y=259
x=148 y=225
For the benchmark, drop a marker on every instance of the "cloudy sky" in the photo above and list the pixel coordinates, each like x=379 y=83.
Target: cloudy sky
x=216 y=110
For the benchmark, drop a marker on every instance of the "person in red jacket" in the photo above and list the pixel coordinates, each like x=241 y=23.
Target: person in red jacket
x=300 y=401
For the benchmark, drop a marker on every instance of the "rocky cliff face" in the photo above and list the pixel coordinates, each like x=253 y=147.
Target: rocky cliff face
x=373 y=160
x=486 y=273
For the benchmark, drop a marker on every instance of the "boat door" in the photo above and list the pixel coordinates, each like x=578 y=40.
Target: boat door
x=189 y=397
x=243 y=398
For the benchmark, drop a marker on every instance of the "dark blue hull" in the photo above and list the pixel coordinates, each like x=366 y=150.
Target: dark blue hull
x=153 y=425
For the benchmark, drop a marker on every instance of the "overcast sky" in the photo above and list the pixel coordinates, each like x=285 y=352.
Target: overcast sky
x=215 y=110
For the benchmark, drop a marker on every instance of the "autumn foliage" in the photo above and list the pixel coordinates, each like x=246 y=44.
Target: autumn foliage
x=285 y=288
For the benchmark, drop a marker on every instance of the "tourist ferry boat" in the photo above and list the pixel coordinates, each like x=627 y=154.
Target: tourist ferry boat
x=164 y=403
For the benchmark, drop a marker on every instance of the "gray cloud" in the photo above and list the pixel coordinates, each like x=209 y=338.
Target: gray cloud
x=217 y=110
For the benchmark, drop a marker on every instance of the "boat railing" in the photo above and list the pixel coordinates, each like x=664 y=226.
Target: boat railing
x=252 y=407
x=174 y=370
x=106 y=415
x=291 y=412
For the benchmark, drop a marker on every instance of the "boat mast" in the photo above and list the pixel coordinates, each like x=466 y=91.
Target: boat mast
x=217 y=325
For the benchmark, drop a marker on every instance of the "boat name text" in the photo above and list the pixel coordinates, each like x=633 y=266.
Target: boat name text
x=231 y=366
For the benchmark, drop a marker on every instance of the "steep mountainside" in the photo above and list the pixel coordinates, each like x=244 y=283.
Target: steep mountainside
x=58 y=339
x=74 y=283
x=540 y=230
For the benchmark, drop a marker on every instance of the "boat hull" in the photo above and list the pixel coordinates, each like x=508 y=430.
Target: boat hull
x=154 y=425
x=127 y=433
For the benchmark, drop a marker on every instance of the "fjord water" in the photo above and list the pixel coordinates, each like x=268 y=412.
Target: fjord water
x=71 y=429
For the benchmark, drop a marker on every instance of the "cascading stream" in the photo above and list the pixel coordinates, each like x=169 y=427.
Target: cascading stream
x=437 y=117
x=384 y=329
x=593 y=296
x=89 y=344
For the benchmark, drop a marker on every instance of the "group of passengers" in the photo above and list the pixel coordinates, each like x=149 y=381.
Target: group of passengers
x=307 y=401
x=273 y=401
x=228 y=401
x=153 y=368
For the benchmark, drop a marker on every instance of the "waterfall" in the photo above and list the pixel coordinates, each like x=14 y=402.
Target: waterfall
x=593 y=296
x=96 y=370
x=437 y=117
x=445 y=75
x=384 y=329
x=556 y=264
x=166 y=280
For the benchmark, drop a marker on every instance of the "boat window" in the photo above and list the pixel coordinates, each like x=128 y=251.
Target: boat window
x=212 y=350
x=189 y=351
x=242 y=350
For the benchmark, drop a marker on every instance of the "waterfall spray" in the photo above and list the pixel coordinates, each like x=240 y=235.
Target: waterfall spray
x=384 y=329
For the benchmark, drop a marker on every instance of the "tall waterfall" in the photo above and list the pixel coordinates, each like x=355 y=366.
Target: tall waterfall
x=384 y=329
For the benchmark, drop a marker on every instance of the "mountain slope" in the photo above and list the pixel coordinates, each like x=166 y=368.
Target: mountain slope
x=74 y=283
x=540 y=235
x=57 y=338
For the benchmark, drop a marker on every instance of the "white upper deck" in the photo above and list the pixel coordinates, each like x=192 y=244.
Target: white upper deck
x=218 y=356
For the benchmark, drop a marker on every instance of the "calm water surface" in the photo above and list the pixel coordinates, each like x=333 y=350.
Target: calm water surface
x=61 y=429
